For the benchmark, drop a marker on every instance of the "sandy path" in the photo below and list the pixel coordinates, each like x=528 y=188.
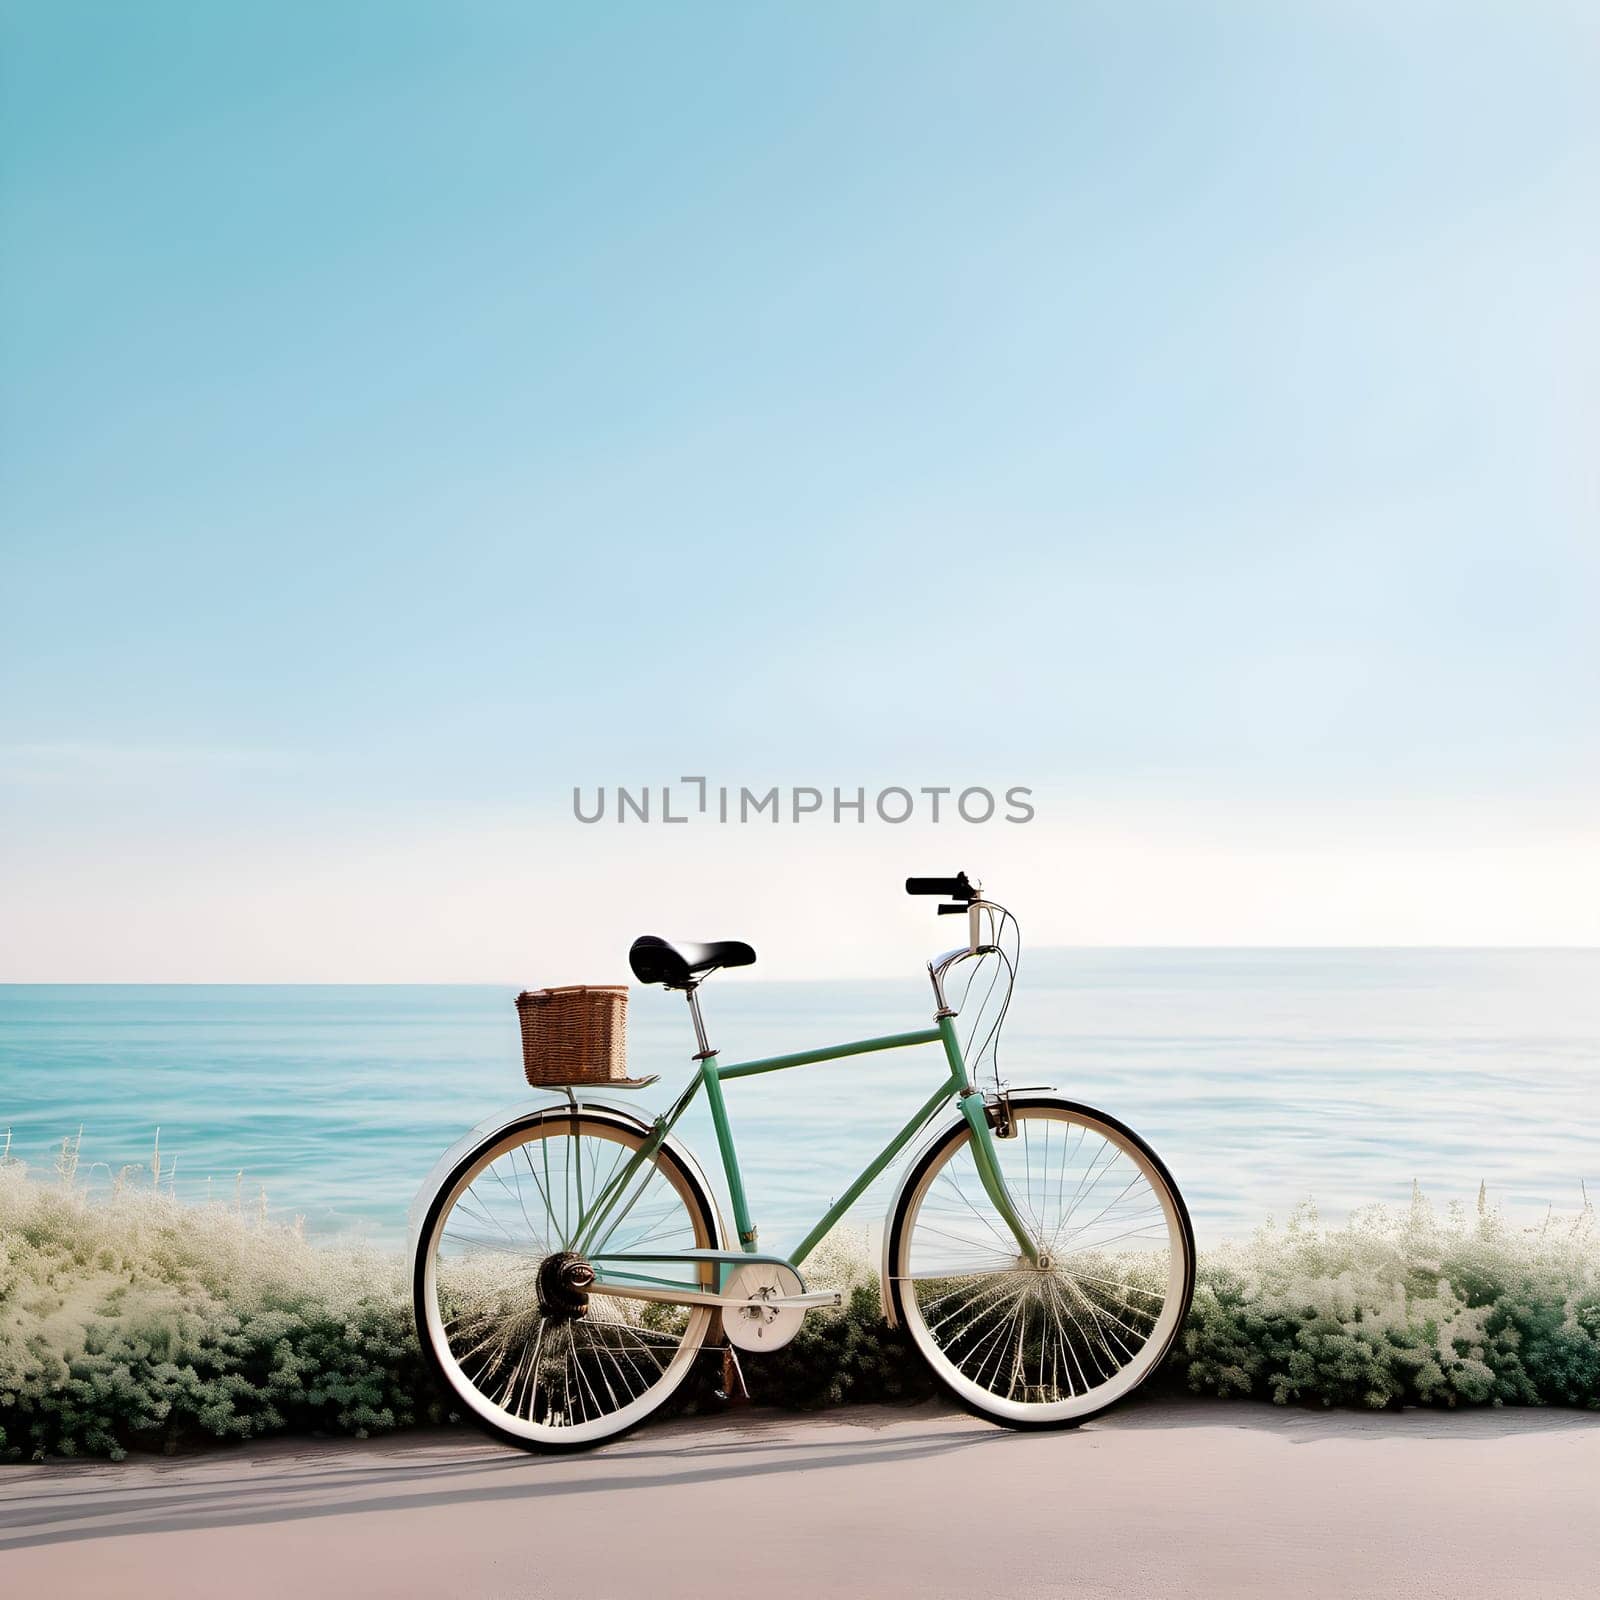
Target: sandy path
x=1164 y=1498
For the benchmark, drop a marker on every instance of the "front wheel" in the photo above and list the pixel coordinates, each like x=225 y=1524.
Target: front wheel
x=1054 y=1342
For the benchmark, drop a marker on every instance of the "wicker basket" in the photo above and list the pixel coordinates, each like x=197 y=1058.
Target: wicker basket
x=578 y=1034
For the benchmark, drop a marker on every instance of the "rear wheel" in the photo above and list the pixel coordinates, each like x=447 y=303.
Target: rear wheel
x=499 y=1276
x=1052 y=1343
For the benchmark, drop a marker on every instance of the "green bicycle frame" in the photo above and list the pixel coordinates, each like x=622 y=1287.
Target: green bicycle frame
x=591 y=1240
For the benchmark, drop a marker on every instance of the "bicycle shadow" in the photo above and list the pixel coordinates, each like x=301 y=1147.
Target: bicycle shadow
x=279 y=1489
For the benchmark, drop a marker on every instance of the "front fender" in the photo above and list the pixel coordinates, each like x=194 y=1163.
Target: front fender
x=496 y=1123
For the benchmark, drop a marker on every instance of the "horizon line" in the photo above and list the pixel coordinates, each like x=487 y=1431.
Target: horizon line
x=496 y=983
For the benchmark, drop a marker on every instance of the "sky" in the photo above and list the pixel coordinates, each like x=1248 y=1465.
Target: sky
x=409 y=413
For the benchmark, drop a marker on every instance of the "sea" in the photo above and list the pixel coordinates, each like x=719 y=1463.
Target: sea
x=1264 y=1078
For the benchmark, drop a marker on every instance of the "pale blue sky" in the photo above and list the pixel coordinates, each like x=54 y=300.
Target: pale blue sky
x=411 y=410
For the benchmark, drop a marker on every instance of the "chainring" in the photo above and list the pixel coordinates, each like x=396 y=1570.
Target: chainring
x=755 y=1324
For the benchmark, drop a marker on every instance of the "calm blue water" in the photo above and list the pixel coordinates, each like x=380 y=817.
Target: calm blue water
x=1261 y=1076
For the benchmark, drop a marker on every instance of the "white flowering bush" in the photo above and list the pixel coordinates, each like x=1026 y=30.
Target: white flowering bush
x=129 y=1320
x=1401 y=1308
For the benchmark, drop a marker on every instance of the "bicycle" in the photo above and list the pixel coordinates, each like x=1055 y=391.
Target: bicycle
x=572 y=1260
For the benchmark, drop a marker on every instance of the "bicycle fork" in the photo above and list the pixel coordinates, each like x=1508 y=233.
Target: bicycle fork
x=970 y=1103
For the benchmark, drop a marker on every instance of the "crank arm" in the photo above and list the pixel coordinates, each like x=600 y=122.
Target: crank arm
x=703 y=1297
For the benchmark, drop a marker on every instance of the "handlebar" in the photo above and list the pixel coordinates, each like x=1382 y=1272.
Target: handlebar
x=956 y=888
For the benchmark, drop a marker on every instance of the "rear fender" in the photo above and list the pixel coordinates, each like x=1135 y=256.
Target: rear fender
x=598 y=1107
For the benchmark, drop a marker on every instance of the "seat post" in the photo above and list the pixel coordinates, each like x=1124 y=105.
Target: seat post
x=689 y=990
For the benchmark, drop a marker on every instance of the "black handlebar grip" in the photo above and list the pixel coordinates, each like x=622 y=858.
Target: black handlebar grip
x=956 y=888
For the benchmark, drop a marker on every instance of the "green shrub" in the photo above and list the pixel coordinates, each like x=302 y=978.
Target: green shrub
x=1401 y=1309
x=129 y=1320
x=133 y=1320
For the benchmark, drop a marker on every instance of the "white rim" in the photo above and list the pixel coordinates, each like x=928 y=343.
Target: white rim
x=977 y=1238
x=512 y=1421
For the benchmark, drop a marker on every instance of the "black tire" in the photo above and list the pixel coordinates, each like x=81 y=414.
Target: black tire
x=957 y=1133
